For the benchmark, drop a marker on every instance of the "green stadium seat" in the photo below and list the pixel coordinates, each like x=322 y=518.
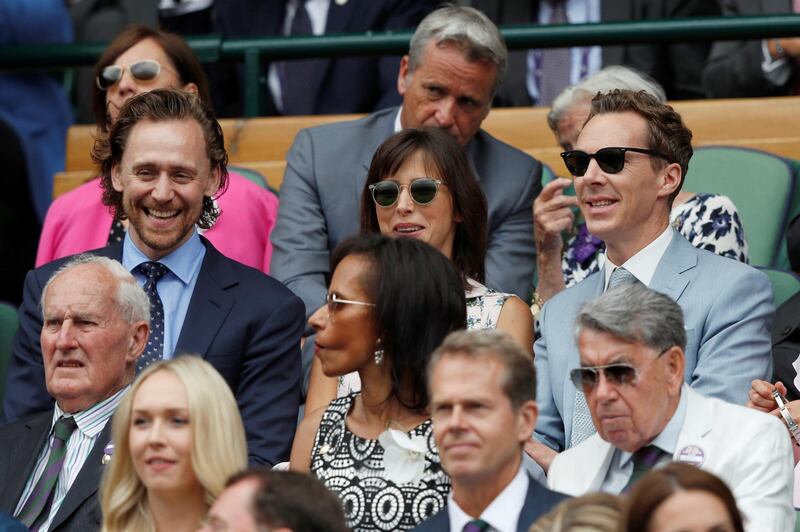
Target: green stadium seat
x=760 y=184
x=8 y=326
x=785 y=284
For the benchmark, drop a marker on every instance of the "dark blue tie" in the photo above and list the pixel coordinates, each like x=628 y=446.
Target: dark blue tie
x=295 y=75
x=154 y=351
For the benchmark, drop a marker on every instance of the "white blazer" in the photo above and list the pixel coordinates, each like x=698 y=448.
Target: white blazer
x=749 y=450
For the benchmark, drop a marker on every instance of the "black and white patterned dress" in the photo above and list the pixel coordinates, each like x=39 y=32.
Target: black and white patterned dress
x=352 y=467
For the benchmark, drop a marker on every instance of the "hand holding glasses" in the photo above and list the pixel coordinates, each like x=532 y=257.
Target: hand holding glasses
x=422 y=191
x=610 y=160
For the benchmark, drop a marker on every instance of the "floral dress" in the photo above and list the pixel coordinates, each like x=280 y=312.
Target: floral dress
x=708 y=221
x=392 y=483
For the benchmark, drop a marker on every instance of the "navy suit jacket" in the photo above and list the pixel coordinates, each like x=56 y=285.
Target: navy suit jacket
x=538 y=502
x=21 y=443
x=244 y=323
x=340 y=85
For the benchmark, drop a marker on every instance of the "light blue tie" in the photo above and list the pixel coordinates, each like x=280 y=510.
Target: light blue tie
x=582 y=424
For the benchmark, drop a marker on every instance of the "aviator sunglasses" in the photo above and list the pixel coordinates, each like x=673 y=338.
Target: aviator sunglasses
x=144 y=70
x=422 y=191
x=619 y=374
x=610 y=160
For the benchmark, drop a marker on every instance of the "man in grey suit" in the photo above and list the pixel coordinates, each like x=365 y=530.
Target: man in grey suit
x=756 y=68
x=96 y=324
x=455 y=64
x=629 y=164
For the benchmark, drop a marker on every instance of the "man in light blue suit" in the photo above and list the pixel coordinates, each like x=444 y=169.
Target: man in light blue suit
x=455 y=64
x=629 y=164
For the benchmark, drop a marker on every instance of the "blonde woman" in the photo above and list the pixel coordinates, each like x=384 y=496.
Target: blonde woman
x=177 y=438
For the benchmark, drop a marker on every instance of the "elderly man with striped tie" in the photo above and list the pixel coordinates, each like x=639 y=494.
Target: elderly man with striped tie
x=629 y=163
x=631 y=341
x=96 y=325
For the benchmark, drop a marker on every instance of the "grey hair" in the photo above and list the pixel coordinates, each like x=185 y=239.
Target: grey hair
x=131 y=298
x=466 y=27
x=635 y=313
x=519 y=375
x=607 y=79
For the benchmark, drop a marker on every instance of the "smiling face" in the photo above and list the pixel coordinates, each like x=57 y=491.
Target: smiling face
x=346 y=338
x=128 y=86
x=477 y=432
x=629 y=416
x=691 y=511
x=160 y=436
x=446 y=91
x=89 y=350
x=629 y=209
x=163 y=176
x=434 y=223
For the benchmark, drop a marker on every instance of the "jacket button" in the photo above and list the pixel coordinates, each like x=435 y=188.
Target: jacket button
x=787 y=329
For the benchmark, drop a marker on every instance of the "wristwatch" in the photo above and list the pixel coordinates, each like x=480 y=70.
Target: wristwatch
x=787 y=417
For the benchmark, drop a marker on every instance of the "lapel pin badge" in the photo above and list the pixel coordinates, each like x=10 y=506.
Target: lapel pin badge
x=692 y=455
x=108 y=450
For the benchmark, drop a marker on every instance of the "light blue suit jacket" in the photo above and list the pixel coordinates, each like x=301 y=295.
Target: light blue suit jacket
x=727 y=308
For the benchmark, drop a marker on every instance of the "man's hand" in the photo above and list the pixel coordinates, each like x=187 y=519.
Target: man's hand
x=760 y=396
x=552 y=214
x=541 y=453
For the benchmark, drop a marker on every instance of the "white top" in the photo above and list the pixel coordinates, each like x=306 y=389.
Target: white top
x=644 y=263
x=503 y=512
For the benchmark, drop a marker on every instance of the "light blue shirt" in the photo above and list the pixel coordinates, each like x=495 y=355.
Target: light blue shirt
x=578 y=12
x=176 y=287
x=621 y=468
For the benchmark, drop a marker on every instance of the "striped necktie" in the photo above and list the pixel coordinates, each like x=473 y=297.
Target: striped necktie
x=476 y=525
x=644 y=460
x=37 y=507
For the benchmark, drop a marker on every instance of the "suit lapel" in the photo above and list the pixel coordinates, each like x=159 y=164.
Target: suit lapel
x=382 y=129
x=596 y=470
x=210 y=304
x=88 y=480
x=21 y=458
x=679 y=258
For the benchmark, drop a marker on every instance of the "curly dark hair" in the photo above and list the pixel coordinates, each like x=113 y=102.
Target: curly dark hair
x=160 y=105
x=666 y=131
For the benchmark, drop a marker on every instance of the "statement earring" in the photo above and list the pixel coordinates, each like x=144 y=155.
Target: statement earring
x=378 y=354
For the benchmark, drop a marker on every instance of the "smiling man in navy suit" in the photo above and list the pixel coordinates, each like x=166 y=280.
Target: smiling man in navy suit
x=482 y=389
x=162 y=164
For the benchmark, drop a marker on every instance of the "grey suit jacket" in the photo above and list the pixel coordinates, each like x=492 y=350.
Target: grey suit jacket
x=677 y=67
x=728 y=310
x=21 y=443
x=734 y=67
x=320 y=197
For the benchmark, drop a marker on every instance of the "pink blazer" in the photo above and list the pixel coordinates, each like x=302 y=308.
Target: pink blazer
x=78 y=221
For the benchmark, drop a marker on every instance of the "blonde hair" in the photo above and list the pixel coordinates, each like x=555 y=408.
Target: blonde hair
x=596 y=512
x=219 y=448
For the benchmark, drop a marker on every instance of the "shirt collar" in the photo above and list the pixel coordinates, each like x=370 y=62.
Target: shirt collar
x=182 y=262
x=397 y=125
x=644 y=263
x=503 y=512
x=92 y=420
x=667 y=439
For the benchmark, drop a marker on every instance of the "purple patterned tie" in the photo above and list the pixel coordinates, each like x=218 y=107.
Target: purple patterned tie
x=556 y=62
x=155 y=343
x=643 y=461
x=476 y=525
x=37 y=507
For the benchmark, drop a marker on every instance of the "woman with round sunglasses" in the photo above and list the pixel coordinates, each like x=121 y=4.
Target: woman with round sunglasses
x=420 y=185
x=390 y=303
x=141 y=59
x=708 y=221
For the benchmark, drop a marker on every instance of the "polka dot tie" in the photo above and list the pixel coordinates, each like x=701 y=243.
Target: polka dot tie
x=155 y=343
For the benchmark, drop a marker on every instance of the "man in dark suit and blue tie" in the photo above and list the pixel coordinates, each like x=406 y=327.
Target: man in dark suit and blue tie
x=482 y=387
x=162 y=164
x=96 y=326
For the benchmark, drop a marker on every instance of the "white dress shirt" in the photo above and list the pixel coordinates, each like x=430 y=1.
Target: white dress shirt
x=644 y=263
x=503 y=512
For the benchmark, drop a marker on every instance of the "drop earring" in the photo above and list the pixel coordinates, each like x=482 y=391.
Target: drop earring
x=378 y=354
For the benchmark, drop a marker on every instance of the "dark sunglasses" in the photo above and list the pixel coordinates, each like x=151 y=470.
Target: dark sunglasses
x=619 y=374
x=422 y=190
x=144 y=70
x=610 y=160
